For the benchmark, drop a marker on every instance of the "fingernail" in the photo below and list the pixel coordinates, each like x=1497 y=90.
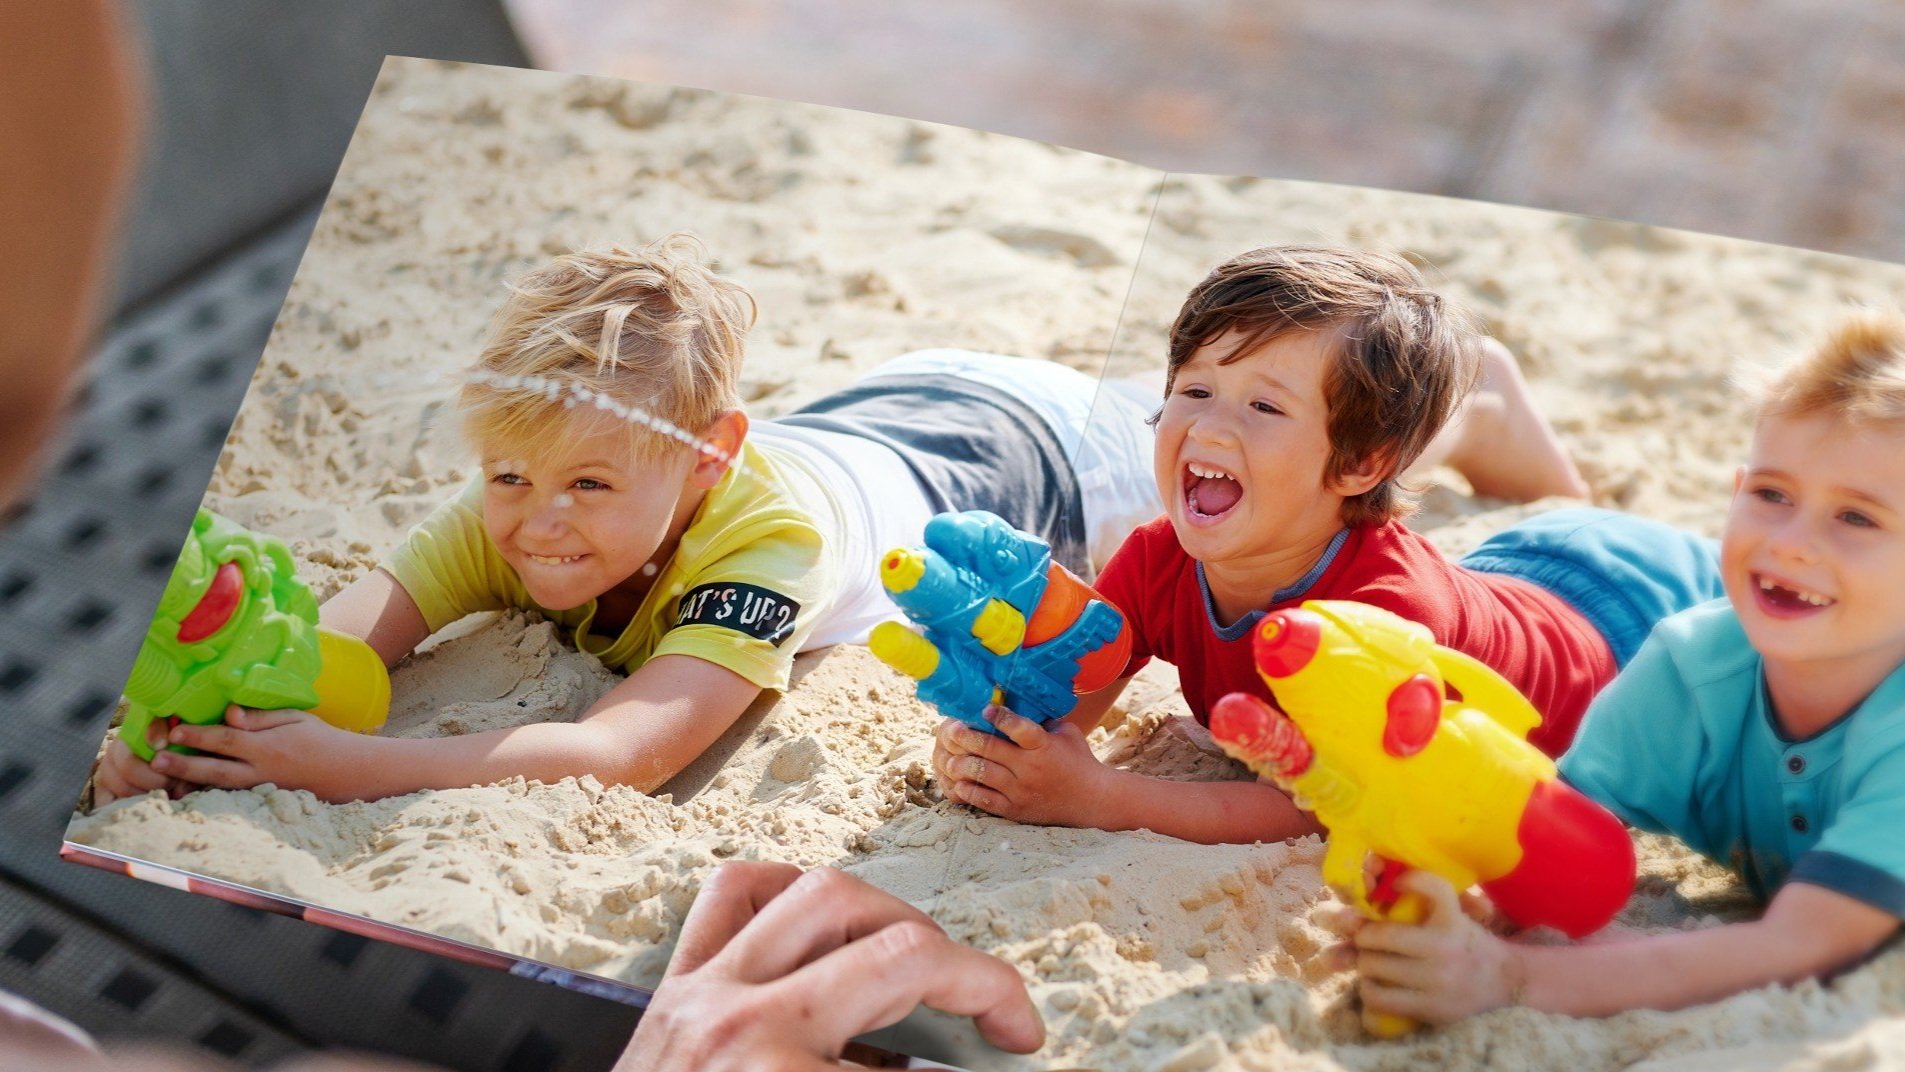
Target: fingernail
x=162 y=761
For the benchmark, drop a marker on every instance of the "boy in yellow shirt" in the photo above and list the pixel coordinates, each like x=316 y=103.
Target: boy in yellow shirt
x=625 y=497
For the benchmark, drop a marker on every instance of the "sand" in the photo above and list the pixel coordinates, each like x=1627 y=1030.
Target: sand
x=863 y=237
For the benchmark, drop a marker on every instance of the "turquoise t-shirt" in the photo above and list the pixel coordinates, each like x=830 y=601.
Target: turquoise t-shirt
x=1684 y=742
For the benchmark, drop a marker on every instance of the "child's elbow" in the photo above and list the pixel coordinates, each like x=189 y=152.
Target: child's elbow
x=642 y=773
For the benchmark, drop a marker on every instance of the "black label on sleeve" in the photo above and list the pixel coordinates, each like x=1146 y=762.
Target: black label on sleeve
x=744 y=608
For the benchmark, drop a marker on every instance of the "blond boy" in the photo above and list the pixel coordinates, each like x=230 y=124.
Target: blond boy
x=1767 y=731
x=1302 y=380
x=686 y=551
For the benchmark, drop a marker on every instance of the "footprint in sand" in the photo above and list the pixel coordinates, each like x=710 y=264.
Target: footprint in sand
x=1083 y=250
x=798 y=760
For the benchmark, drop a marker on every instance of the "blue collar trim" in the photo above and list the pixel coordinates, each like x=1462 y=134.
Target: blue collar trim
x=1240 y=628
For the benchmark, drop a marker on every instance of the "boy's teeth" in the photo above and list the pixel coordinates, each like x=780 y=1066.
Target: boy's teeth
x=1768 y=585
x=1207 y=473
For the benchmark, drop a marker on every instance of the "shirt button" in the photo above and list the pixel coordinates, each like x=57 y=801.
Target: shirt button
x=1799 y=823
x=1796 y=764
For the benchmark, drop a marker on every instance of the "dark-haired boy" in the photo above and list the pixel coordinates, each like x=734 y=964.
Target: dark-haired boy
x=1301 y=381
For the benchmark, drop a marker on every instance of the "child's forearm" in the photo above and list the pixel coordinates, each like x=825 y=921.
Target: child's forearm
x=640 y=733
x=1801 y=936
x=1210 y=813
x=371 y=768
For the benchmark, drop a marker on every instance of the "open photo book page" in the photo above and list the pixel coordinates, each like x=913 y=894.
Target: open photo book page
x=934 y=319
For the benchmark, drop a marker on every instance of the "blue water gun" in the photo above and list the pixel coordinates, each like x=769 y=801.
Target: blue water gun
x=1002 y=623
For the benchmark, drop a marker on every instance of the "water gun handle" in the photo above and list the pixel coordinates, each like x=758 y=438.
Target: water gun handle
x=1394 y=906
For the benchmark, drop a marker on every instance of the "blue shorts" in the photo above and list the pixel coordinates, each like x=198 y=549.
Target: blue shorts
x=1623 y=573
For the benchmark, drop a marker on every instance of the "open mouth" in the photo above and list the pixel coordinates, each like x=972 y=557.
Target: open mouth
x=1210 y=492
x=1787 y=600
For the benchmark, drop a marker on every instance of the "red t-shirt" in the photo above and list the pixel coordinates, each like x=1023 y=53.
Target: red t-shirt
x=1527 y=634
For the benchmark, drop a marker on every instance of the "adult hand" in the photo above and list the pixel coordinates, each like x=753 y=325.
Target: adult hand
x=1446 y=968
x=292 y=749
x=1031 y=775
x=776 y=969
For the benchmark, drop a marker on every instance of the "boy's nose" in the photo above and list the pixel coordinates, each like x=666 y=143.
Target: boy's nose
x=546 y=517
x=1795 y=541
x=1213 y=428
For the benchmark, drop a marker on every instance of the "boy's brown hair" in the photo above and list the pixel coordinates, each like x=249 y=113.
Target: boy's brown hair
x=1856 y=375
x=652 y=329
x=1405 y=361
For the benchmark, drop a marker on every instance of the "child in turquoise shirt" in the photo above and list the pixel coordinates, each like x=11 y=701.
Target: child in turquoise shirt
x=1766 y=731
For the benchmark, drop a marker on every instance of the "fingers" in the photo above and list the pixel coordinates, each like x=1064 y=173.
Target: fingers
x=1392 y=969
x=1406 y=939
x=220 y=739
x=1338 y=919
x=207 y=770
x=1337 y=956
x=880 y=978
x=732 y=896
x=956 y=738
x=1382 y=997
x=246 y=718
x=233 y=738
x=981 y=783
x=122 y=774
x=982 y=797
x=1020 y=730
x=816 y=914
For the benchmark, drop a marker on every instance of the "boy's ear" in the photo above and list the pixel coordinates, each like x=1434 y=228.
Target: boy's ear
x=722 y=441
x=1372 y=470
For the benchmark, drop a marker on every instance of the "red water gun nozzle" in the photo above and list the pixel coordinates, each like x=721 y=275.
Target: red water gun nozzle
x=1260 y=735
x=1287 y=641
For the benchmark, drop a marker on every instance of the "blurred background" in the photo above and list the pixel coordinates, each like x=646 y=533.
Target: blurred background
x=1775 y=120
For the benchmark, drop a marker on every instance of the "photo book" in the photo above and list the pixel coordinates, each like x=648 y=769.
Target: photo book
x=853 y=241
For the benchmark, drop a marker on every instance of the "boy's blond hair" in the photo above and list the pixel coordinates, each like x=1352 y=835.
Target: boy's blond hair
x=1856 y=375
x=1404 y=360
x=651 y=328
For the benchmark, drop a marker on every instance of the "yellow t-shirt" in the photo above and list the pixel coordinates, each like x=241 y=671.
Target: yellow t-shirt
x=751 y=577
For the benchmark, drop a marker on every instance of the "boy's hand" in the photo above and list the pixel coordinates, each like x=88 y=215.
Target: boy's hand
x=1031 y=775
x=292 y=749
x=123 y=774
x=1446 y=968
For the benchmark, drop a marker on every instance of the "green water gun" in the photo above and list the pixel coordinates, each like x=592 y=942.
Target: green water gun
x=236 y=626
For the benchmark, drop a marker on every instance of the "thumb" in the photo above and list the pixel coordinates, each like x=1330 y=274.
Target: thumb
x=1441 y=906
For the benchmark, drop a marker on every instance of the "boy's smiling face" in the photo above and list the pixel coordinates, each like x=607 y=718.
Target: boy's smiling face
x=581 y=522
x=1813 y=556
x=1241 y=450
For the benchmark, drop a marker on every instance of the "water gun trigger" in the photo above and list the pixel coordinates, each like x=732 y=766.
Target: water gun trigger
x=1385 y=893
x=1343 y=872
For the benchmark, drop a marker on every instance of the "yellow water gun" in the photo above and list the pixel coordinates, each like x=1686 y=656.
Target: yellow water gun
x=1419 y=755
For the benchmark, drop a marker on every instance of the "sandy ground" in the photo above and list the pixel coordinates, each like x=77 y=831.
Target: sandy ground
x=863 y=237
